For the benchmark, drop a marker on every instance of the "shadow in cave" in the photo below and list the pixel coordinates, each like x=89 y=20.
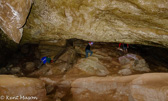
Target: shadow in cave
x=155 y=56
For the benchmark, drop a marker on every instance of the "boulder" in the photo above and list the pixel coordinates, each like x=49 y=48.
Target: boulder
x=124 y=60
x=92 y=66
x=141 y=65
x=49 y=50
x=69 y=56
x=15 y=70
x=13 y=16
x=134 y=62
x=145 y=87
x=51 y=69
x=19 y=89
x=30 y=66
x=42 y=71
x=3 y=70
x=125 y=71
x=58 y=85
x=58 y=68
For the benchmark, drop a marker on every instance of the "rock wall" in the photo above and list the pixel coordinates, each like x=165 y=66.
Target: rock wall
x=19 y=89
x=138 y=21
x=145 y=87
x=13 y=16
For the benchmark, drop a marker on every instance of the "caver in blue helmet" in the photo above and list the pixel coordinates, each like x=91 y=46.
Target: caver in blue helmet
x=44 y=59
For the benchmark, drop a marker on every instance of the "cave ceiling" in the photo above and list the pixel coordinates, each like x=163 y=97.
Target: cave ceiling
x=128 y=21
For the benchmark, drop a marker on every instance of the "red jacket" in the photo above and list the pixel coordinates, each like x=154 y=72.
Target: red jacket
x=122 y=43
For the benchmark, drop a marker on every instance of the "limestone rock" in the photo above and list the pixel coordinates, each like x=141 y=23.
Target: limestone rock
x=42 y=71
x=3 y=70
x=30 y=66
x=124 y=60
x=58 y=68
x=15 y=70
x=61 y=92
x=161 y=69
x=126 y=71
x=69 y=56
x=58 y=84
x=141 y=66
x=150 y=87
x=13 y=16
x=92 y=66
x=58 y=99
x=134 y=62
x=145 y=87
x=60 y=42
x=12 y=86
x=137 y=22
x=51 y=69
x=49 y=50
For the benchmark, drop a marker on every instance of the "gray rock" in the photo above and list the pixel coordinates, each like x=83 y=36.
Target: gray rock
x=15 y=70
x=3 y=70
x=30 y=66
x=125 y=72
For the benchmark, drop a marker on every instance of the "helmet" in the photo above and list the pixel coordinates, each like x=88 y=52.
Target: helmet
x=91 y=43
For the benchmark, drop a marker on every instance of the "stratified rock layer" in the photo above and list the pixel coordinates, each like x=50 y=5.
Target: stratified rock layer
x=13 y=16
x=146 y=87
x=129 y=21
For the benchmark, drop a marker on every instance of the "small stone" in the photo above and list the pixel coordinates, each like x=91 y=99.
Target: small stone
x=30 y=66
x=15 y=70
x=3 y=70
x=125 y=72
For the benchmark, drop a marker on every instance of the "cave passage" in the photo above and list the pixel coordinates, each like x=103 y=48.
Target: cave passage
x=69 y=63
x=155 y=57
x=47 y=53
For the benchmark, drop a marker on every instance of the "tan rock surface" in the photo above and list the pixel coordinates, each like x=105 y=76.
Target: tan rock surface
x=92 y=66
x=138 y=21
x=145 y=87
x=63 y=63
x=134 y=62
x=13 y=16
x=12 y=86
